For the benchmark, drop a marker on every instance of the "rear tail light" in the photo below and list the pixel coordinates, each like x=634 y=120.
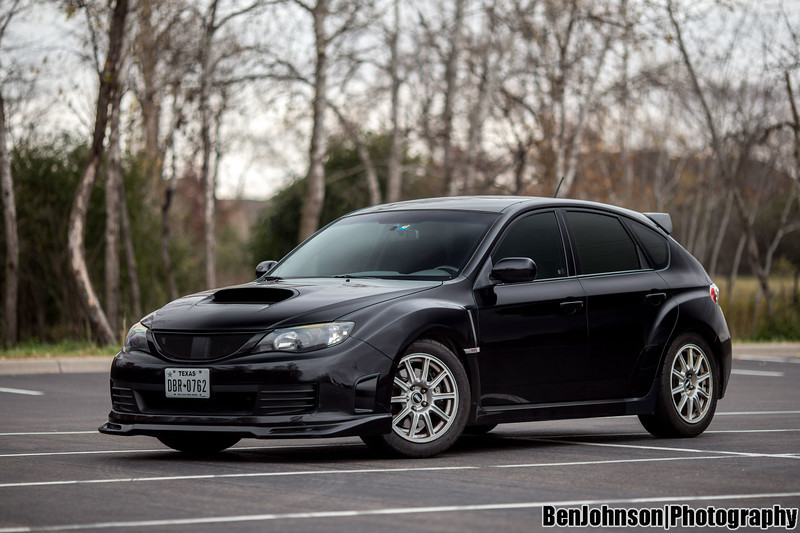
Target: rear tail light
x=714 y=293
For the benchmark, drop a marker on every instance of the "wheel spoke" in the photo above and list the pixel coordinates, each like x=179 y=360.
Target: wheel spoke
x=428 y=423
x=412 y=376
x=402 y=384
x=443 y=396
x=412 y=429
x=435 y=383
x=678 y=374
x=441 y=414
x=684 y=398
x=426 y=367
x=399 y=399
x=678 y=390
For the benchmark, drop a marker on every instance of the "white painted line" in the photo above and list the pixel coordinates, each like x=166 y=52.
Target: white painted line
x=755 y=413
x=239 y=475
x=670 y=449
x=768 y=358
x=35 y=433
x=393 y=511
x=22 y=391
x=766 y=373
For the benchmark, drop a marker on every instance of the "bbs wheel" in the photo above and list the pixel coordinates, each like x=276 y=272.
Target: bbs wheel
x=430 y=402
x=198 y=443
x=688 y=385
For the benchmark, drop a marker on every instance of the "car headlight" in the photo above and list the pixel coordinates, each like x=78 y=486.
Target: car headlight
x=305 y=338
x=136 y=339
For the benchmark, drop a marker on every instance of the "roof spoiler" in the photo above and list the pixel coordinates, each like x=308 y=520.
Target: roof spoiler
x=662 y=220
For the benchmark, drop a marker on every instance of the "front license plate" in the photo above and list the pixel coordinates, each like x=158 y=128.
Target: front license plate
x=187 y=382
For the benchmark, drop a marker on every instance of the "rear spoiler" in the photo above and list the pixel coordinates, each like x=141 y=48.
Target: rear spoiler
x=662 y=220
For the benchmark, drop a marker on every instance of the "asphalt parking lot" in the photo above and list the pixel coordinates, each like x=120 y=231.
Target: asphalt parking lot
x=58 y=474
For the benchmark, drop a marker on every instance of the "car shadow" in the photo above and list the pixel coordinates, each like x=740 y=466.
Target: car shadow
x=354 y=451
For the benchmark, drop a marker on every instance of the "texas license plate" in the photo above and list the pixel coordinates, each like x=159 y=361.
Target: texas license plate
x=187 y=382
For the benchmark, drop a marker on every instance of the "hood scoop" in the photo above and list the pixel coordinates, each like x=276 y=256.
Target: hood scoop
x=252 y=295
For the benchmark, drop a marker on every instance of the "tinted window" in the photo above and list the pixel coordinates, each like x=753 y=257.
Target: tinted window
x=396 y=244
x=539 y=238
x=655 y=244
x=602 y=242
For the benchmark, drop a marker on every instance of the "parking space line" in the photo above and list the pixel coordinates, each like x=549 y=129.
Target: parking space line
x=670 y=449
x=395 y=511
x=765 y=373
x=240 y=475
x=21 y=391
x=36 y=433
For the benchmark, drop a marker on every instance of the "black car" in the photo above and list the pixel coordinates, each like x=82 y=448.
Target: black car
x=411 y=323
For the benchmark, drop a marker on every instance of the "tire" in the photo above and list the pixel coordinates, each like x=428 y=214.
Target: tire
x=430 y=403
x=480 y=429
x=198 y=443
x=688 y=389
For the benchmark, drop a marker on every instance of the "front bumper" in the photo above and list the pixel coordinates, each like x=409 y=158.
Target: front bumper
x=340 y=391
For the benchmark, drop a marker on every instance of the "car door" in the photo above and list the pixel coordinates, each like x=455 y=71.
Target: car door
x=625 y=303
x=533 y=335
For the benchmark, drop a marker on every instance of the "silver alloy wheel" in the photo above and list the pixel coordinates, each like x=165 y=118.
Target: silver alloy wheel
x=692 y=383
x=424 y=398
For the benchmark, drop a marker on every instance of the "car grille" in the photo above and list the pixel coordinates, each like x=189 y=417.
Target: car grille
x=272 y=400
x=287 y=400
x=192 y=347
x=123 y=400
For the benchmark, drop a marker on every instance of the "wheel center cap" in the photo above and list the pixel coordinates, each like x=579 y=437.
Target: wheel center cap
x=416 y=397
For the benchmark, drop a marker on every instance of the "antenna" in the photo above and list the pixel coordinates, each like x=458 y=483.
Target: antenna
x=559 y=187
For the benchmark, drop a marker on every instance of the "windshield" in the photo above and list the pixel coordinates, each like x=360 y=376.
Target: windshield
x=396 y=245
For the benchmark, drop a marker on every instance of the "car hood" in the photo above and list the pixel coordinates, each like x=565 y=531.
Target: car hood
x=260 y=306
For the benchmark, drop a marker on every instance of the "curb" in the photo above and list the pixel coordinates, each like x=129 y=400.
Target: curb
x=64 y=365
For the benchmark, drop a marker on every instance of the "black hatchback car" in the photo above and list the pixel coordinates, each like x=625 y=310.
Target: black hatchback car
x=410 y=323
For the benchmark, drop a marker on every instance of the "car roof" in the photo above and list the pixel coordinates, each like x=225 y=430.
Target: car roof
x=493 y=204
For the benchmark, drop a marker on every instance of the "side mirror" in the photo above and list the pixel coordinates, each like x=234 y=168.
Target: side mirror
x=514 y=270
x=264 y=267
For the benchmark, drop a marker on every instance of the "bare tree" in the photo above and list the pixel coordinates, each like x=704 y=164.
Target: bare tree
x=8 y=10
x=114 y=195
x=109 y=83
x=12 y=238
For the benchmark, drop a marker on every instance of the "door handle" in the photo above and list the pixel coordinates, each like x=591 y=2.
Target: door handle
x=656 y=298
x=572 y=306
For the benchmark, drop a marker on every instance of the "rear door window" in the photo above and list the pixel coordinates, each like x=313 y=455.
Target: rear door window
x=602 y=243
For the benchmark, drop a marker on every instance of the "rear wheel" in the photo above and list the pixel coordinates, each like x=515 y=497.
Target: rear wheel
x=688 y=390
x=430 y=402
x=198 y=443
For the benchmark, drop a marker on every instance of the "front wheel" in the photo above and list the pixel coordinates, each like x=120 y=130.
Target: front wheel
x=430 y=402
x=198 y=443
x=688 y=390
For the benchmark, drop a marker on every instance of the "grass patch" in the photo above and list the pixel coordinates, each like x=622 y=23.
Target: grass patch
x=66 y=348
x=782 y=323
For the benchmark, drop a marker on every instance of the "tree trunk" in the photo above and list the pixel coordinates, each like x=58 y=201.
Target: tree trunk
x=130 y=256
x=207 y=177
x=394 y=171
x=451 y=181
x=77 y=219
x=12 y=236
x=113 y=196
x=315 y=179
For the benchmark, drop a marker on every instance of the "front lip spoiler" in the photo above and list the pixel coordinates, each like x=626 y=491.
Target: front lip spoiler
x=363 y=425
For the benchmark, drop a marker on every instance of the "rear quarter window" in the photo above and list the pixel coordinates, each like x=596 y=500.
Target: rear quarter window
x=655 y=244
